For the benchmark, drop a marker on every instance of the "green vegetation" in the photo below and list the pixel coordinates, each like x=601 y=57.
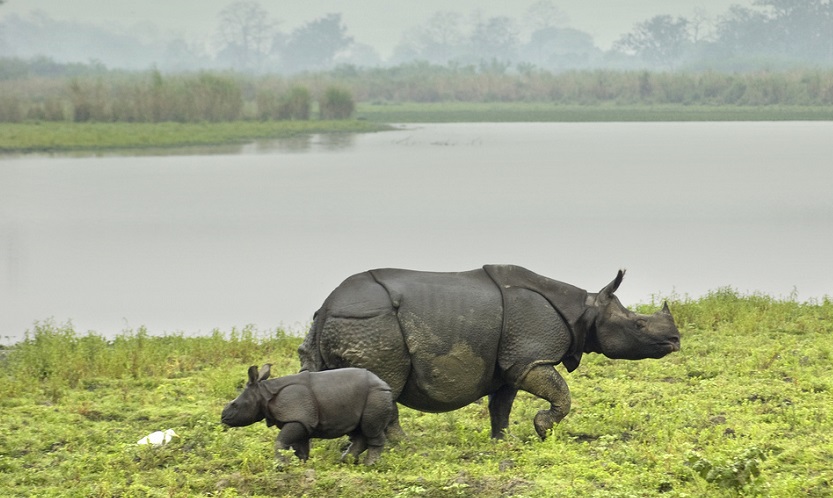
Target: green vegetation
x=47 y=136
x=295 y=105
x=420 y=82
x=450 y=112
x=337 y=103
x=152 y=97
x=743 y=409
x=117 y=109
x=52 y=136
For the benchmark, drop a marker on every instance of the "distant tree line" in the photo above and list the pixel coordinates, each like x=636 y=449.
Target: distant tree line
x=778 y=33
x=768 y=34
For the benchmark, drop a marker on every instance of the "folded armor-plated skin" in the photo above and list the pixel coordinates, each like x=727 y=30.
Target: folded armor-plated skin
x=443 y=340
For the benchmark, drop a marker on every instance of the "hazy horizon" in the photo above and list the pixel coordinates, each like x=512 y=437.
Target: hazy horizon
x=378 y=23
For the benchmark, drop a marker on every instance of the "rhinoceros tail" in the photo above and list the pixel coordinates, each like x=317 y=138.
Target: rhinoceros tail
x=308 y=351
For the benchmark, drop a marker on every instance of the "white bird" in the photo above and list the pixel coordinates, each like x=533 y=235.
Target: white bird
x=158 y=438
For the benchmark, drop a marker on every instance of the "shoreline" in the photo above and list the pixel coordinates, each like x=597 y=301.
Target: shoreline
x=46 y=137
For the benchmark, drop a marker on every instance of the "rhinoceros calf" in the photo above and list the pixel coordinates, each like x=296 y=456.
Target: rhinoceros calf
x=443 y=340
x=331 y=404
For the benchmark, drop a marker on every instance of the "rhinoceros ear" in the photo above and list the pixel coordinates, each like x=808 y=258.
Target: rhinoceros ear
x=610 y=288
x=263 y=374
x=252 y=375
x=665 y=309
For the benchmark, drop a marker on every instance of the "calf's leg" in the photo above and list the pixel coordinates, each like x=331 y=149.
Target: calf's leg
x=294 y=435
x=373 y=454
x=357 y=445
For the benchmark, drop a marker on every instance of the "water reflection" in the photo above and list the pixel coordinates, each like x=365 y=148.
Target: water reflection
x=325 y=142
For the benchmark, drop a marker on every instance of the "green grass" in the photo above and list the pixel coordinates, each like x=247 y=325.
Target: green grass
x=444 y=112
x=64 y=136
x=48 y=136
x=743 y=409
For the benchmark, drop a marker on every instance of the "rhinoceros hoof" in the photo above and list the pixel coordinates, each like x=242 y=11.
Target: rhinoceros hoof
x=544 y=421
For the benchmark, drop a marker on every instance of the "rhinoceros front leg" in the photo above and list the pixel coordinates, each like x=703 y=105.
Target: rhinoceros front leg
x=545 y=382
x=293 y=435
x=500 y=405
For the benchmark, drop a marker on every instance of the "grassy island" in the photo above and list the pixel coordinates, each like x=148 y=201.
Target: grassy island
x=50 y=136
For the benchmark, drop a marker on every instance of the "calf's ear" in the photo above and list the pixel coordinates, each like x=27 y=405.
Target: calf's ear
x=252 y=375
x=264 y=372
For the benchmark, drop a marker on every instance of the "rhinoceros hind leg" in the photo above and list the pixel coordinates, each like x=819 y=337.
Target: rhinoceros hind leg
x=500 y=405
x=358 y=444
x=545 y=382
x=373 y=454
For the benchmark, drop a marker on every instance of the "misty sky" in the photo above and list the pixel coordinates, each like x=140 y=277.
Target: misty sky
x=379 y=23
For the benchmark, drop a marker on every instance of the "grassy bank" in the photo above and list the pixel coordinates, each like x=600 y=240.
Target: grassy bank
x=51 y=136
x=742 y=409
x=447 y=112
x=63 y=136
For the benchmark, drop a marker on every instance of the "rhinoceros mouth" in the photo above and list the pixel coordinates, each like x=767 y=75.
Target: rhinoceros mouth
x=673 y=344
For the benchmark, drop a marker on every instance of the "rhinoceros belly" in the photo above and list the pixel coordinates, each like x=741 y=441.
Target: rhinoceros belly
x=451 y=324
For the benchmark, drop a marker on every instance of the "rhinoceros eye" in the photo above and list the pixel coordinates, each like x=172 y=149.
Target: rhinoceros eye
x=641 y=324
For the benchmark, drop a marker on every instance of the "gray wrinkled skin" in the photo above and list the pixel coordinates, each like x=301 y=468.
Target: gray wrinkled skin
x=444 y=340
x=349 y=401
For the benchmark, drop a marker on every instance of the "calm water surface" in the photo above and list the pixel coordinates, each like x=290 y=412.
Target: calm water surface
x=198 y=239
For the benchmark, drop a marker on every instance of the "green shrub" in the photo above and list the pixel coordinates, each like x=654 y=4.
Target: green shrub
x=740 y=472
x=10 y=111
x=267 y=103
x=88 y=101
x=51 y=109
x=215 y=98
x=336 y=103
x=296 y=104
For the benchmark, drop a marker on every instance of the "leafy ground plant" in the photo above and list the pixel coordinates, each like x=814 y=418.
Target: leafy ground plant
x=743 y=409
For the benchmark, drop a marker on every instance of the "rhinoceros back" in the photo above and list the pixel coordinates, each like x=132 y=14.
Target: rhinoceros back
x=433 y=337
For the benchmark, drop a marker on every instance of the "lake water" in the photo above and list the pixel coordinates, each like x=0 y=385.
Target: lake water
x=198 y=239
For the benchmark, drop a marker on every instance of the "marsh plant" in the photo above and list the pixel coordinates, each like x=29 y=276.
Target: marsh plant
x=34 y=90
x=295 y=104
x=336 y=103
x=10 y=110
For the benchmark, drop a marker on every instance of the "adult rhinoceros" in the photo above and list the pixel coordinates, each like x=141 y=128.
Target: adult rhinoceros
x=444 y=340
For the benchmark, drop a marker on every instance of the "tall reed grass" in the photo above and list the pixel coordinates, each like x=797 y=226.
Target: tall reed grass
x=153 y=97
x=337 y=103
x=53 y=358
